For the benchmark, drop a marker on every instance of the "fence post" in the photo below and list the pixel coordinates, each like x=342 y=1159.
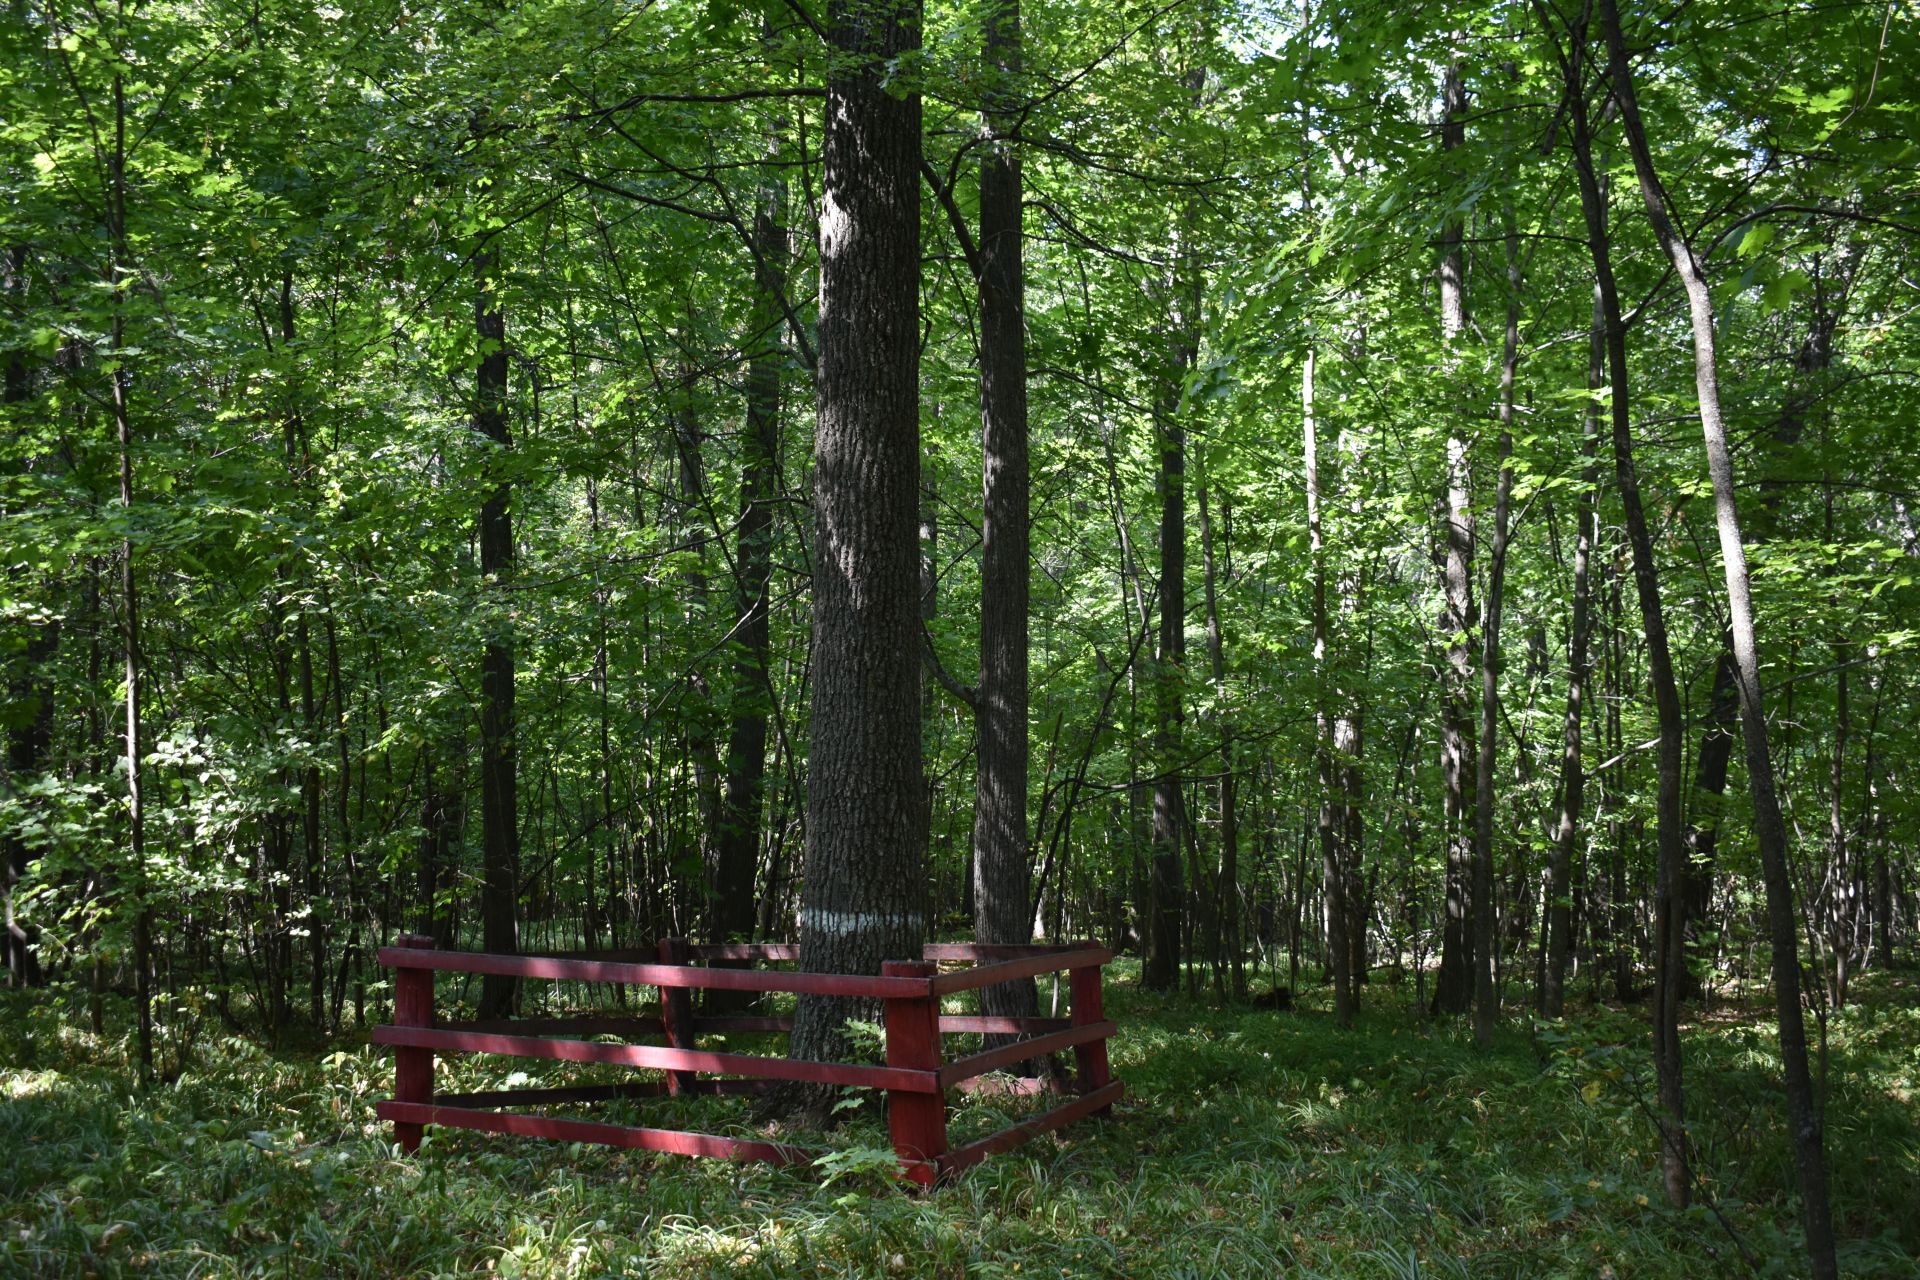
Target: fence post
x=412 y=1068
x=918 y=1121
x=676 y=1015
x=1090 y=1059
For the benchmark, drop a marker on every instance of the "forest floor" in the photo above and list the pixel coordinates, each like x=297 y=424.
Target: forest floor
x=1250 y=1144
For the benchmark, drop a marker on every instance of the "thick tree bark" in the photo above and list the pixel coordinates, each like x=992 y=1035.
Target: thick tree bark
x=1002 y=908
x=1705 y=808
x=499 y=799
x=1768 y=824
x=1486 y=1009
x=864 y=898
x=1459 y=617
x=1669 y=931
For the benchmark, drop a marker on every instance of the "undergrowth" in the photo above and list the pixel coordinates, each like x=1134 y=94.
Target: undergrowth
x=1249 y=1144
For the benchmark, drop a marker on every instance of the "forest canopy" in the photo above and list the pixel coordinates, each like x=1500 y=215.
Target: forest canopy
x=1406 y=503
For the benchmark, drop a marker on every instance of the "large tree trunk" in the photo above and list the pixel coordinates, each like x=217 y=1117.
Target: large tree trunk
x=1002 y=910
x=1669 y=931
x=1768 y=824
x=499 y=800
x=1453 y=989
x=1485 y=995
x=864 y=897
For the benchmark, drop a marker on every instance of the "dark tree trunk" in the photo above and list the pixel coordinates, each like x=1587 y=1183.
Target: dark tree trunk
x=732 y=908
x=1227 y=909
x=864 y=899
x=1165 y=891
x=499 y=800
x=1705 y=808
x=30 y=729
x=1002 y=907
x=1769 y=825
x=1336 y=912
x=1485 y=994
x=1669 y=931
x=1573 y=773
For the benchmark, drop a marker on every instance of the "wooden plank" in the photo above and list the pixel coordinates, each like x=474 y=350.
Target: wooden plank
x=563 y=1129
x=916 y=1122
x=654 y=975
x=744 y=951
x=412 y=1068
x=704 y=1023
x=977 y=951
x=1023 y=1050
x=568 y=1093
x=1091 y=1071
x=634 y=1089
x=632 y=1026
x=676 y=1012
x=1008 y=1086
x=1007 y=1139
x=992 y=975
x=952 y=1024
x=659 y=1057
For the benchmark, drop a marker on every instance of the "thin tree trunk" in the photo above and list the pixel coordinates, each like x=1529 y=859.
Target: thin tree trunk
x=732 y=912
x=499 y=800
x=1669 y=931
x=1486 y=998
x=1331 y=821
x=1768 y=824
x=119 y=277
x=1573 y=774
x=1002 y=907
x=1454 y=988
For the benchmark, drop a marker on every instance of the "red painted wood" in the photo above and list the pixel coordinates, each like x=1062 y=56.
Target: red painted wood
x=655 y=975
x=659 y=1057
x=918 y=1121
x=611 y=1135
x=974 y=1152
x=412 y=1067
x=537 y=1097
x=1022 y=1050
x=1008 y=1086
x=676 y=1012
x=632 y=1026
x=1089 y=1006
x=744 y=951
x=739 y=1022
x=997 y=950
x=970 y=1024
x=989 y=975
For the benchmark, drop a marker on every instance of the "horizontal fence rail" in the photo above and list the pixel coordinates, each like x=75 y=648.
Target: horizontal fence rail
x=916 y=1076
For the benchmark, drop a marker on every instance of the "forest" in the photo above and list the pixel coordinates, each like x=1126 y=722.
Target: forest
x=1400 y=521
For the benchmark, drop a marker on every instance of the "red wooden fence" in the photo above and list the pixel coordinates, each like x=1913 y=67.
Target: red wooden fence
x=916 y=1076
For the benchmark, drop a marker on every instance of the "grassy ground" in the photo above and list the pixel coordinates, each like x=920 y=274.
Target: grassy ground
x=1251 y=1144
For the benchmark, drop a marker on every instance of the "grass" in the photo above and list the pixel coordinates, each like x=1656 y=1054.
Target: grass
x=1250 y=1144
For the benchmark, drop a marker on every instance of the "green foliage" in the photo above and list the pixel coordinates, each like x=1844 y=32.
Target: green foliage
x=1249 y=1142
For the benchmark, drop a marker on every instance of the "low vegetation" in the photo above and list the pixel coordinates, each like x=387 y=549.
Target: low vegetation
x=1251 y=1143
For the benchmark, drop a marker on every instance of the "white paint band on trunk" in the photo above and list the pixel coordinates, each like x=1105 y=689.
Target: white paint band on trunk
x=813 y=919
